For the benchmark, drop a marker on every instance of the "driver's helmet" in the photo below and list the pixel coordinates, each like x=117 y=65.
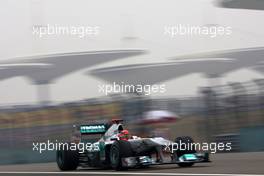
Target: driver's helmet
x=124 y=135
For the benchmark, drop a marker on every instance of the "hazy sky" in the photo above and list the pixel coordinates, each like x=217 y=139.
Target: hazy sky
x=144 y=20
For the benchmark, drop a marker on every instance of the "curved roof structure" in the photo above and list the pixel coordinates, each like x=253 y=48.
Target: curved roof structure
x=213 y=63
x=47 y=68
x=242 y=4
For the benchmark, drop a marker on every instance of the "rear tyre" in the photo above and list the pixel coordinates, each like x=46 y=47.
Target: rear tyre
x=119 y=149
x=183 y=142
x=67 y=159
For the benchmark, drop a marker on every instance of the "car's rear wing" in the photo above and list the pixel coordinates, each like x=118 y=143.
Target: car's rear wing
x=93 y=129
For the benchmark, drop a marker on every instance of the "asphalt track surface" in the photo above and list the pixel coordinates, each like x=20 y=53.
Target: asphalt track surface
x=222 y=164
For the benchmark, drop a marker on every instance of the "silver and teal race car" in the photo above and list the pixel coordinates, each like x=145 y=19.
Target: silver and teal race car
x=105 y=149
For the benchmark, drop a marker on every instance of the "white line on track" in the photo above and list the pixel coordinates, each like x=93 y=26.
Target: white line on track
x=128 y=173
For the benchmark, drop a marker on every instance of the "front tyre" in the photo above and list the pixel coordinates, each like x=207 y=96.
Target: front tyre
x=184 y=141
x=119 y=149
x=185 y=164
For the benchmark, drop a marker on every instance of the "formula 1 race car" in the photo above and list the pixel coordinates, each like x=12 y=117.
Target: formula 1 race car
x=111 y=146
